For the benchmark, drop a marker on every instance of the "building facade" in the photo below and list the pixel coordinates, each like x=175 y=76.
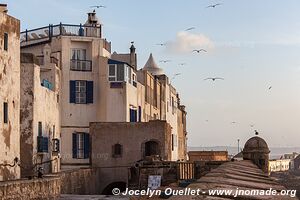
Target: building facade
x=208 y=156
x=97 y=86
x=280 y=165
x=40 y=119
x=9 y=95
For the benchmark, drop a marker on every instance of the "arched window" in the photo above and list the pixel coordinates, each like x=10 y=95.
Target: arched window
x=117 y=150
x=151 y=148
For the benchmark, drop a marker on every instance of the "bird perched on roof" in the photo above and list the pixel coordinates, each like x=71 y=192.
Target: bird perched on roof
x=189 y=29
x=214 y=5
x=199 y=50
x=100 y=6
x=256 y=132
x=214 y=78
x=164 y=61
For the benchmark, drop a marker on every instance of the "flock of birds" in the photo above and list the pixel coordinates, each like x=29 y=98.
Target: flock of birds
x=198 y=51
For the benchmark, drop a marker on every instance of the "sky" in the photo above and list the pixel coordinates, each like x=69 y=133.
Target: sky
x=252 y=44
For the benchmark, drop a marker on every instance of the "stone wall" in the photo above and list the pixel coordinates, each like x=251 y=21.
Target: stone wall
x=46 y=189
x=80 y=181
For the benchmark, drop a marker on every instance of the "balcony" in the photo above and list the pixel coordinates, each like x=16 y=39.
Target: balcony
x=81 y=65
x=42 y=144
x=46 y=33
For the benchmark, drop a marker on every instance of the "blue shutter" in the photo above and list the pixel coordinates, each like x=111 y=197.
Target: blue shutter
x=135 y=115
x=140 y=113
x=86 y=145
x=72 y=91
x=74 y=145
x=131 y=115
x=89 y=91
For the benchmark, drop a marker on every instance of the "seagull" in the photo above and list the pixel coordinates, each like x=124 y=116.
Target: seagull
x=164 y=61
x=199 y=50
x=189 y=29
x=100 y=6
x=214 y=5
x=270 y=88
x=182 y=64
x=214 y=78
x=177 y=74
x=256 y=132
x=233 y=122
x=161 y=44
x=252 y=125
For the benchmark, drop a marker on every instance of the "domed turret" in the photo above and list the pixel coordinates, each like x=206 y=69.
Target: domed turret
x=152 y=67
x=256 y=149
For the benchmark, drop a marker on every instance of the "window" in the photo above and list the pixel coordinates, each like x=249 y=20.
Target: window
x=40 y=129
x=119 y=73
x=6 y=41
x=172 y=142
x=79 y=61
x=5 y=112
x=81 y=92
x=151 y=148
x=117 y=150
x=133 y=115
x=81 y=145
x=112 y=72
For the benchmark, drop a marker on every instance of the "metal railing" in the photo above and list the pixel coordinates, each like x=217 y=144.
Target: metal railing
x=46 y=33
x=81 y=65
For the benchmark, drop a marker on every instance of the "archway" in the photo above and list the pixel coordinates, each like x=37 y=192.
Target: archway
x=108 y=189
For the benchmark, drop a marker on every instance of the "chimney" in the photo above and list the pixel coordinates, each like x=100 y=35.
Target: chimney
x=133 y=61
x=3 y=8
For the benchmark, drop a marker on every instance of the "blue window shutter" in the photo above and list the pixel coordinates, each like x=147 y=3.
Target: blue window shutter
x=131 y=115
x=86 y=145
x=140 y=113
x=74 y=145
x=72 y=91
x=89 y=91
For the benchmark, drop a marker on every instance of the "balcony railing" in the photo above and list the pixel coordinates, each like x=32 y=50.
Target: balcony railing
x=42 y=144
x=80 y=65
x=45 y=34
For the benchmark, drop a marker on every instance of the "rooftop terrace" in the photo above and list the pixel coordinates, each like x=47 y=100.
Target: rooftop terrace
x=45 y=34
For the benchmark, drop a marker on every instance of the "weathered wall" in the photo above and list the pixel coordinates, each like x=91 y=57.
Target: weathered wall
x=132 y=137
x=9 y=93
x=182 y=139
x=80 y=181
x=38 y=104
x=208 y=156
x=46 y=189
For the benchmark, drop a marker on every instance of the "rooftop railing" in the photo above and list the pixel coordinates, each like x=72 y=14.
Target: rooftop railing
x=46 y=33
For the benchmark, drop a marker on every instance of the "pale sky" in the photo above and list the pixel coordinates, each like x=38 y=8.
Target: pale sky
x=253 y=44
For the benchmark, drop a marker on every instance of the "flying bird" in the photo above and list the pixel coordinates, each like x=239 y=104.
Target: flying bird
x=214 y=5
x=161 y=44
x=182 y=64
x=233 y=122
x=177 y=74
x=270 y=88
x=214 y=78
x=189 y=29
x=199 y=50
x=252 y=125
x=164 y=61
x=100 y=6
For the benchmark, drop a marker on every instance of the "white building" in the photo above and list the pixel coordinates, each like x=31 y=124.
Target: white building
x=97 y=86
